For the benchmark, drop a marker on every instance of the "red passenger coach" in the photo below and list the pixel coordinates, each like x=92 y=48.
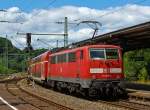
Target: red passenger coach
x=39 y=66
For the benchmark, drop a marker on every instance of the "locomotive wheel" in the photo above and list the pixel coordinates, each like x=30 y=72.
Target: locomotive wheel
x=115 y=93
x=93 y=93
x=123 y=93
x=103 y=92
x=71 y=89
x=86 y=92
x=58 y=85
x=52 y=85
x=44 y=84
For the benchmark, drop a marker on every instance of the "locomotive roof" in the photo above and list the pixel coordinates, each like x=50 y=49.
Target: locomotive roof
x=41 y=55
x=87 y=46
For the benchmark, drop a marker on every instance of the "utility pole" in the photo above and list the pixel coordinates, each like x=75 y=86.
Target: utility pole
x=66 y=32
x=57 y=43
x=6 y=53
x=29 y=47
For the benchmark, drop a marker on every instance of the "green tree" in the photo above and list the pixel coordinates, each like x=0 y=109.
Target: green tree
x=143 y=74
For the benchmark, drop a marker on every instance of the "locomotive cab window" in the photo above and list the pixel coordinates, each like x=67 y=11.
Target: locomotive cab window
x=97 y=53
x=112 y=54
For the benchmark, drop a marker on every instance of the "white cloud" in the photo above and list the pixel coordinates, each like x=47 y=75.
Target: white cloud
x=42 y=21
x=13 y=9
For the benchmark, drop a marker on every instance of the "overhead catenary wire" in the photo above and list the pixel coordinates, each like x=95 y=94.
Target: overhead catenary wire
x=111 y=12
x=53 y=1
x=17 y=42
x=45 y=43
x=60 y=41
x=142 y=1
x=116 y=10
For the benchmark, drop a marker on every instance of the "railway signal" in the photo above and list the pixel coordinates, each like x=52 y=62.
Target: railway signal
x=28 y=37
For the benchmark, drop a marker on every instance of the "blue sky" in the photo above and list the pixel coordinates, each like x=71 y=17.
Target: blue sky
x=118 y=14
x=29 y=5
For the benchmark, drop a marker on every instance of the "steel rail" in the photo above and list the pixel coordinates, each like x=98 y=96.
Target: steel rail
x=51 y=103
x=127 y=104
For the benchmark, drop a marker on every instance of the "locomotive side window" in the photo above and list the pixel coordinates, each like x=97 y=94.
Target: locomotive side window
x=64 y=59
x=53 y=60
x=59 y=58
x=81 y=54
x=111 y=53
x=72 y=57
x=97 y=53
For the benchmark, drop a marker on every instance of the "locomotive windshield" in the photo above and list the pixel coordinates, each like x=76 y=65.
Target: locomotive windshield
x=111 y=53
x=103 y=53
x=97 y=53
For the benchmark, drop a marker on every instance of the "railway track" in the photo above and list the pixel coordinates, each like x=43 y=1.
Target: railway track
x=127 y=104
x=28 y=98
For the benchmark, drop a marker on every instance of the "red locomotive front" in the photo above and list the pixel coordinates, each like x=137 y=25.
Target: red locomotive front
x=97 y=68
x=105 y=63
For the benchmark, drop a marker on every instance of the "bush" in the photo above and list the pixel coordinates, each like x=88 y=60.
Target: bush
x=143 y=74
x=4 y=70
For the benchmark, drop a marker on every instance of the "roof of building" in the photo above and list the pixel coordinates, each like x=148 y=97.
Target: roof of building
x=129 y=38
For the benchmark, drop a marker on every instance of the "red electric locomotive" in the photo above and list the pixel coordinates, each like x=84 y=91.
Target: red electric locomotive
x=95 y=70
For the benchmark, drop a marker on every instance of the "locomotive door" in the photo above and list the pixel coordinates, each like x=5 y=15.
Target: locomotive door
x=44 y=66
x=42 y=70
x=79 y=63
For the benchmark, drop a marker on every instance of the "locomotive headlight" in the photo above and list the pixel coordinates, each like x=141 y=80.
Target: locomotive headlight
x=96 y=70
x=115 y=70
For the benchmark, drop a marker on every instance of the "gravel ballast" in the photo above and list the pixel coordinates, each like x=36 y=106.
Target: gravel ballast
x=66 y=100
